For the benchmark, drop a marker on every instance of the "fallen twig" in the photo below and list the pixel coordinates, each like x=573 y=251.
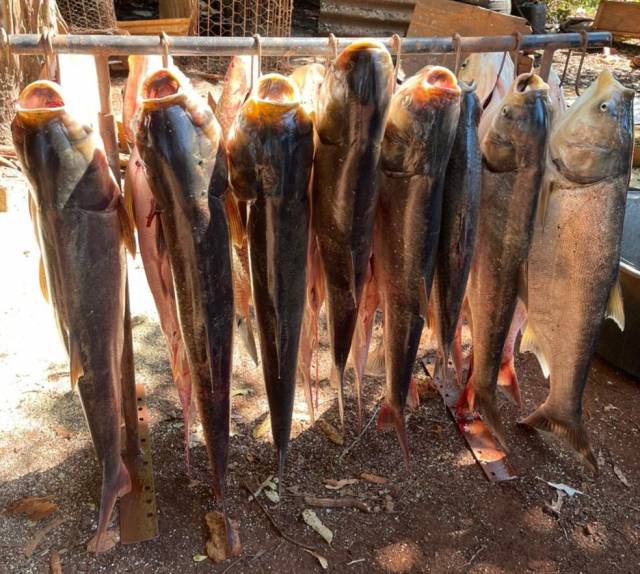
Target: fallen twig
x=364 y=430
x=30 y=548
x=344 y=502
x=475 y=556
x=275 y=524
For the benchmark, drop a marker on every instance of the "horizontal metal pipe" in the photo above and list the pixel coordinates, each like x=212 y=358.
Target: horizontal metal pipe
x=301 y=46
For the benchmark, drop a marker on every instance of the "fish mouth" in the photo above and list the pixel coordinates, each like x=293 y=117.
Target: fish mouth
x=162 y=88
x=277 y=90
x=529 y=82
x=40 y=101
x=440 y=81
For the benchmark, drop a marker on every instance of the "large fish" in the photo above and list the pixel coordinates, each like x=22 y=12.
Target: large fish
x=417 y=142
x=235 y=89
x=513 y=149
x=461 y=203
x=352 y=112
x=180 y=143
x=270 y=158
x=309 y=79
x=573 y=263
x=82 y=229
x=153 y=250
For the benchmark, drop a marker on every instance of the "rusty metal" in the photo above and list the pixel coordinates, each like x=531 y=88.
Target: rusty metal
x=488 y=454
x=358 y=17
x=547 y=60
x=138 y=511
x=286 y=47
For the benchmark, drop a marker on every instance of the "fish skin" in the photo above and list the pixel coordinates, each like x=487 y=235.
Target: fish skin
x=352 y=111
x=573 y=263
x=180 y=143
x=155 y=257
x=78 y=208
x=418 y=138
x=514 y=149
x=270 y=158
x=460 y=207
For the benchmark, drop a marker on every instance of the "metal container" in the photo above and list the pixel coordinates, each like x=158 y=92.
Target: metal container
x=622 y=349
x=535 y=13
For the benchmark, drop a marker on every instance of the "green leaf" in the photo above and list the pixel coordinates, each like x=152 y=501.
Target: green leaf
x=199 y=558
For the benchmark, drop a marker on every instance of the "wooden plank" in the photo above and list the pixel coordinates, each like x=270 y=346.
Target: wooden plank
x=365 y=17
x=620 y=18
x=172 y=26
x=445 y=18
x=175 y=8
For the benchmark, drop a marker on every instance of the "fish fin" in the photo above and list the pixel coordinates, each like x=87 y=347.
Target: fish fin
x=413 y=398
x=236 y=227
x=44 y=289
x=127 y=226
x=375 y=361
x=245 y=332
x=212 y=103
x=575 y=434
x=530 y=344
x=391 y=417
x=76 y=370
x=508 y=382
x=615 y=305
x=487 y=405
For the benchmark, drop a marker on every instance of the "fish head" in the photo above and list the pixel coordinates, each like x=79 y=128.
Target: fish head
x=360 y=81
x=594 y=138
x=422 y=121
x=518 y=132
x=491 y=71
x=39 y=103
x=273 y=98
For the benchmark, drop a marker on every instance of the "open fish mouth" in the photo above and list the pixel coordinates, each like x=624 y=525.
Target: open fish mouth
x=40 y=101
x=437 y=82
x=162 y=88
x=529 y=83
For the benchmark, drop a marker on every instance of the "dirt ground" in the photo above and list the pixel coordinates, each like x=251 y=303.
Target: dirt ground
x=437 y=515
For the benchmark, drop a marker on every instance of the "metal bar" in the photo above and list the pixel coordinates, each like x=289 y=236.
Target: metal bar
x=285 y=47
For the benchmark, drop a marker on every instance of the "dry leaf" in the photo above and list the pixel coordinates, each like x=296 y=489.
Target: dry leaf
x=568 y=490
x=262 y=428
x=55 y=566
x=621 y=477
x=33 y=507
x=332 y=484
x=199 y=557
x=374 y=478
x=311 y=518
x=217 y=546
x=319 y=557
x=62 y=432
x=332 y=433
x=241 y=392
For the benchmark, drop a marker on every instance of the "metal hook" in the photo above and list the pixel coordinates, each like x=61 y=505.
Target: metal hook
x=456 y=40
x=396 y=42
x=584 y=42
x=333 y=44
x=566 y=66
x=46 y=39
x=516 y=49
x=256 y=60
x=164 y=43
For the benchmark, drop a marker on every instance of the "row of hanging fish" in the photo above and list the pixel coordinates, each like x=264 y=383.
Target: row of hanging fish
x=334 y=186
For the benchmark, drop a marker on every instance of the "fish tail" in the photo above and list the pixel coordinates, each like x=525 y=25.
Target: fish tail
x=359 y=397
x=487 y=405
x=456 y=353
x=574 y=433
x=245 y=332
x=413 y=397
x=337 y=382
x=441 y=370
x=393 y=417
x=375 y=362
x=508 y=382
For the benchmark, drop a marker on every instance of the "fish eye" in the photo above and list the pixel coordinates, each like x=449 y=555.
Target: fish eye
x=505 y=111
x=604 y=107
x=464 y=64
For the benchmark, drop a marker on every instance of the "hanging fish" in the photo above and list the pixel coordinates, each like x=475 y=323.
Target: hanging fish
x=82 y=231
x=417 y=143
x=461 y=203
x=513 y=149
x=180 y=143
x=573 y=264
x=270 y=158
x=352 y=112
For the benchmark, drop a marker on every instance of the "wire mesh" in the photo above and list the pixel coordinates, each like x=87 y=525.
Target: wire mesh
x=242 y=18
x=88 y=14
